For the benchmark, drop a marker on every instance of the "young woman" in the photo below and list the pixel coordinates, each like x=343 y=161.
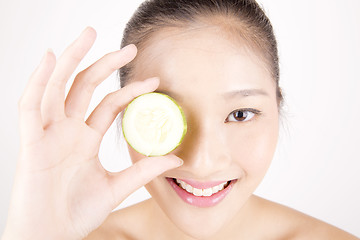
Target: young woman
x=219 y=60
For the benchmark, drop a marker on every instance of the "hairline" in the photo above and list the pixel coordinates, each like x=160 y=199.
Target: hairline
x=242 y=40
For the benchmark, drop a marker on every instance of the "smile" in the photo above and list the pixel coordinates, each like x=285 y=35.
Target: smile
x=201 y=194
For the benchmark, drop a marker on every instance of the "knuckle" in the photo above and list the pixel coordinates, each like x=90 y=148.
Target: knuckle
x=111 y=103
x=81 y=76
x=140 y=169
x=107 y=55
x=132 y=91
x=76 y=52
x=116 y=101
x=109 y=99
x=86 y=82
x=76 y=57
x=110 y=63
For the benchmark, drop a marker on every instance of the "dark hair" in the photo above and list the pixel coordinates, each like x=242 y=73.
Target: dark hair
x=244 y=16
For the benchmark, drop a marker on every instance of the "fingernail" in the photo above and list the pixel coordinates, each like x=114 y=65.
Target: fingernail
x=83 y=31
x=129 y=46
x=180 y=161
x=49 y=50
x=87 y=29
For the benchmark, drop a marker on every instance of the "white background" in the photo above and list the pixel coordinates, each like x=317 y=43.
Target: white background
x=315 y=169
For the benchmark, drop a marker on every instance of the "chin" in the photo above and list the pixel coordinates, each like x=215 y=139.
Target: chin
x=194 y=221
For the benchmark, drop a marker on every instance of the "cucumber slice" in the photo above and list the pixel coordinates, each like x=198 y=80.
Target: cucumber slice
x=154 y=124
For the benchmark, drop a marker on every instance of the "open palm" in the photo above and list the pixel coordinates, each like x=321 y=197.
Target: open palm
x=61 y=191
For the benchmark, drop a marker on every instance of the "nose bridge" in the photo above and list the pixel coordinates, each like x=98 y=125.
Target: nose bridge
x=204 y=148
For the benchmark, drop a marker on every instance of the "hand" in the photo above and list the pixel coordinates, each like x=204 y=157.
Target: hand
x=61 y=191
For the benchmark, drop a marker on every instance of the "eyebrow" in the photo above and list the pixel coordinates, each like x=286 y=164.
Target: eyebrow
x=245 y=93
x=228 y=95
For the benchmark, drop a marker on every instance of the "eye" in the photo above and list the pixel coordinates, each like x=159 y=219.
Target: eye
x=241 y=115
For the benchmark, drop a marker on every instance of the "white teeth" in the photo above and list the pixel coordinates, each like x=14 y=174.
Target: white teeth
x=183 y=184
x=207 y=192
x=189 y=188
x=201 y=192
x=215 y=189
x=197 y=192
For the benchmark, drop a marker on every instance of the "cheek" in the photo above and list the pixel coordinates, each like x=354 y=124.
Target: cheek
x=252 y=148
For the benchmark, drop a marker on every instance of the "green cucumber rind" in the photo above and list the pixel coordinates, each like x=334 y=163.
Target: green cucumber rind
x=183 y=117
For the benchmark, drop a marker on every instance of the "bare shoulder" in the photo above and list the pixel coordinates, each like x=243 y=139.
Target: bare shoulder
x=127 y=223
x=289 y=223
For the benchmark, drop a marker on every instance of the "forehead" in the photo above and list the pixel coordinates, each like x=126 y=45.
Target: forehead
x=201 y=59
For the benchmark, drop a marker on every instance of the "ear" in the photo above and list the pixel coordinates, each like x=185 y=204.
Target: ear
x=279 y=96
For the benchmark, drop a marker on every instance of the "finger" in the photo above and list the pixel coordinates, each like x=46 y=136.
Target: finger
x=78 y=99
x=129 y=180
x=54 y=96
x=107 y=110
x=29 y=105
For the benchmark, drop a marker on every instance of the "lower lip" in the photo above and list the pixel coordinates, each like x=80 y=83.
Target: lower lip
x=201 y=201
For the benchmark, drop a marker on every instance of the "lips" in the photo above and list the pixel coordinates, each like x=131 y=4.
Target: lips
x=201 y=194
x=202 y=185
x=201 y=189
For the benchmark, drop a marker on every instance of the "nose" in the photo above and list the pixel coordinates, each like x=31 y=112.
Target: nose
x=204 y=149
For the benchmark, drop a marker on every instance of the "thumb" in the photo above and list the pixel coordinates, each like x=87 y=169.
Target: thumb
x=129 y=180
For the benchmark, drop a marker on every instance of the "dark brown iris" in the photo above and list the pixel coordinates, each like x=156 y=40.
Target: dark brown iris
x=239 y=115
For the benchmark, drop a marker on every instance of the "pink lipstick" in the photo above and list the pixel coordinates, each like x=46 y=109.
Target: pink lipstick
x=201 y=194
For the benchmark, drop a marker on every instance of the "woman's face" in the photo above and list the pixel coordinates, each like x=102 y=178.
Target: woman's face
x=218 y=83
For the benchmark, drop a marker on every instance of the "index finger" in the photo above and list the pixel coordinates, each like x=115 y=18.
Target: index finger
x=79 y=96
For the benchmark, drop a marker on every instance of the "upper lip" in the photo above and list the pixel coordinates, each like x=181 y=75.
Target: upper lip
x=202 y=184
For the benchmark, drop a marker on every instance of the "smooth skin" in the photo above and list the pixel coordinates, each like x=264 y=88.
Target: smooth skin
x=197 y=65
x=61 y=191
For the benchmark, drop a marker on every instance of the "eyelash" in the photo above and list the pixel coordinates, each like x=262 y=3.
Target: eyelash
x=251 y=110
